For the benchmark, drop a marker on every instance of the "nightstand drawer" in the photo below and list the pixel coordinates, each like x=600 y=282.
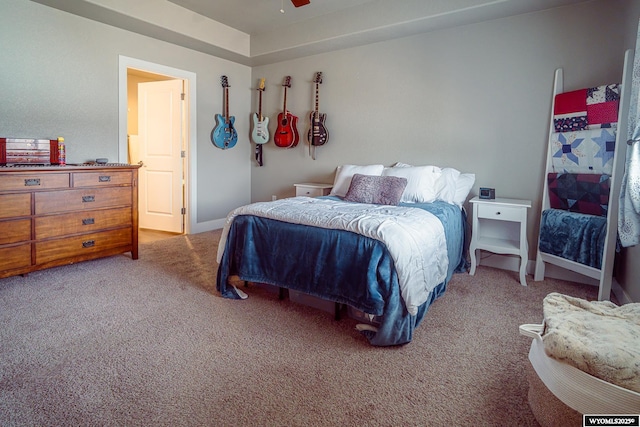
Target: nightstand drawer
x=312 y=189
x=502 y=213
x=309 y=192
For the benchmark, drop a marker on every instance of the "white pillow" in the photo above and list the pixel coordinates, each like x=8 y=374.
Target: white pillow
x=422 y=182
x=344 y=174
x=448 y=185
x=463 y=187
x=462 y=184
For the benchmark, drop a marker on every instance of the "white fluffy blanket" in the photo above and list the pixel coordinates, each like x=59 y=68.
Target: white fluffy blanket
x=414 y=237
x=598 y=337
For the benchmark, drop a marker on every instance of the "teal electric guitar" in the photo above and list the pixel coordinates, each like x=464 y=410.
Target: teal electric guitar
x=224 y=134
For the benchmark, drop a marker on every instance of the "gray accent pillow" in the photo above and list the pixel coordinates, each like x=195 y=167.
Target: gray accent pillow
x=379 y=190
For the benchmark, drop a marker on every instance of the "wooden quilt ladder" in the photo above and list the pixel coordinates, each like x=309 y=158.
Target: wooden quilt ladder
x=605 y=273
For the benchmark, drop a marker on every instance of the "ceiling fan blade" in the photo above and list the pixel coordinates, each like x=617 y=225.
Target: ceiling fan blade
x=298 y=3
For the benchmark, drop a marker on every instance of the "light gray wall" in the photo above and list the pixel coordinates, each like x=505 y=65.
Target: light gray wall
x=60 y=78
x=476 y=98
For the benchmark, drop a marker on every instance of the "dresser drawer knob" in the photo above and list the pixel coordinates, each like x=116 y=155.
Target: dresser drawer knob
x=104 y=178
x=29 y=182
x=88 y=243
x=86 y=199
x=498 y=213
x=88 y=221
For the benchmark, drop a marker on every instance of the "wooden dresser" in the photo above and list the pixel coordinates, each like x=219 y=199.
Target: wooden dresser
x=57 y=215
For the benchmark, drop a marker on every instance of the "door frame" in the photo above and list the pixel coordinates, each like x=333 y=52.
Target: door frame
x=189 y=174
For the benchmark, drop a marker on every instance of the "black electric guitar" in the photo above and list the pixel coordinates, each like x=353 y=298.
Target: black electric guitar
x=224 y=134
x=318 y=134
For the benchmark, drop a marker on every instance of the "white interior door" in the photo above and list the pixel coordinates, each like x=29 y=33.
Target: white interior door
x=160 y=144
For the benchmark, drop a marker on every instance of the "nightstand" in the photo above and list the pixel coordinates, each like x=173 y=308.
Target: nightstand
x=500 y=226
x=313 y=189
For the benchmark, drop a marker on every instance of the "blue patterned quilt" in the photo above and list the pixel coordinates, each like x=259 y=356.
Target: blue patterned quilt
x=574 y=236
x=336 y=265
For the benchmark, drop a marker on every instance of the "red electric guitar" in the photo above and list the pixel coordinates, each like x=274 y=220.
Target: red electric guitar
x=287 y=131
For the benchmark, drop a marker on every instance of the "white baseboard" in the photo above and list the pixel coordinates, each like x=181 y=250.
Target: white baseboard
x=201 y=227
x=622 y=296
x=512 y=263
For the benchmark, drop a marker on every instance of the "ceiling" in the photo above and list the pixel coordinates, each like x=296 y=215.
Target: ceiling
x=257 y=16
x=255 y=32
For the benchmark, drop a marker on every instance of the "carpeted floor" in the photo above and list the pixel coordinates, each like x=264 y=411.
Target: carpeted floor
x=150 y=342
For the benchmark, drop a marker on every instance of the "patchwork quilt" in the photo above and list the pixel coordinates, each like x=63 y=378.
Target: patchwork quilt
x=582 y=193
x=585 y=124
x=590 y=108
x=584 y=151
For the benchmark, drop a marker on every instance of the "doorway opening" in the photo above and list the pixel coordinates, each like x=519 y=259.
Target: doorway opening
x=157 y=130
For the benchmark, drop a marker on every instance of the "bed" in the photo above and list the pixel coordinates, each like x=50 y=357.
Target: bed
x=386 y=252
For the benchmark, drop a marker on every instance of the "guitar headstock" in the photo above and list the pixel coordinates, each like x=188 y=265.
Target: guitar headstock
x=287 y=82
x=318 y=78
x=224 y=82
x=261 y=85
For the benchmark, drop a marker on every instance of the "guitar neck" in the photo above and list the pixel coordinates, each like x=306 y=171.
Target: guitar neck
x=260 y=105
x=226 y=104
x=284 y=105
x=317 y=100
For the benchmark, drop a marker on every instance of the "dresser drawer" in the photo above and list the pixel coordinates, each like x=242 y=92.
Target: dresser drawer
x=12 y=205
x=86 y=244
x=500 y=212
x=82 y=199
x=15 y=256
x=33 y=181
x=81 y=222
x=102 y=178
x=15 y=231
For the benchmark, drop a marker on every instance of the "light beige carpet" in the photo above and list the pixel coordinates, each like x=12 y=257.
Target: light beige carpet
x=150 y=342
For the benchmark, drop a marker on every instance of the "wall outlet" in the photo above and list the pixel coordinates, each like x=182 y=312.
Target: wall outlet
x=274 y=198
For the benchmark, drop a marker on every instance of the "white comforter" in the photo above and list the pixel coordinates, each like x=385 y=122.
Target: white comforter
x=414 y=237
